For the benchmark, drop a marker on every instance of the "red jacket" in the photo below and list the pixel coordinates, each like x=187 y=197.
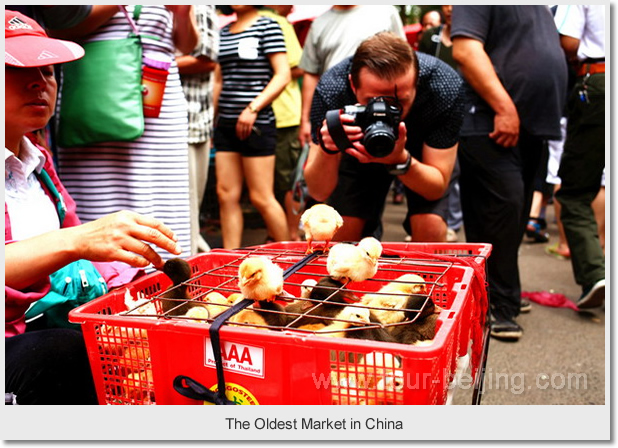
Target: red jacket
x=16 y=302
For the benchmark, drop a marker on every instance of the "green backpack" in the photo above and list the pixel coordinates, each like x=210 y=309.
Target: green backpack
x=71 y=286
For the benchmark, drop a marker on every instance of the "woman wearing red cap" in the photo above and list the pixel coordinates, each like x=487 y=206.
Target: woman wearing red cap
x=51 y=366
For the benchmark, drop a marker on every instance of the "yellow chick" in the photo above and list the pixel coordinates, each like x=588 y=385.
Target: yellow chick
x=375 y=366
x=347 y=262
x=199 y=314
x=216 y=303
x=139 y=387
x=234 y=298
x=248 y=317
x=349 y=317
x=320 y=223
x=139 y=305
x=394 y=295
x=260 y=279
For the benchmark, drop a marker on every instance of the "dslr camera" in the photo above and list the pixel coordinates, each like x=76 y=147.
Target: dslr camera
x=379 y=120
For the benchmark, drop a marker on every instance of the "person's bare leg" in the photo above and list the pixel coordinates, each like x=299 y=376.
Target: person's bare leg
x=229 y=190
x=259 y=174
x=428 y=227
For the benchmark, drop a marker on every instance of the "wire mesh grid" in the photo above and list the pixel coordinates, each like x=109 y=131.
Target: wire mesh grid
x=222 y=282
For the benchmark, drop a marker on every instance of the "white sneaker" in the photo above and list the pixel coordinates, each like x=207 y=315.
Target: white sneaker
x=593 y=297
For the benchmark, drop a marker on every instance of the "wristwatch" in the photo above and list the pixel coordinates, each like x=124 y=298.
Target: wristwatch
x=252 y=108
x=401 y=168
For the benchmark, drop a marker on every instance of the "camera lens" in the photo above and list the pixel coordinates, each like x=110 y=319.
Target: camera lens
x=379 y=140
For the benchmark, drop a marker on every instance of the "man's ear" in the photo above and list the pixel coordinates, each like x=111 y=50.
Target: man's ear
x=352 y=84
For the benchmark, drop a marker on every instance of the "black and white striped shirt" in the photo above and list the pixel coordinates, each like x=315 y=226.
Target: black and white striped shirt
x=246 y=69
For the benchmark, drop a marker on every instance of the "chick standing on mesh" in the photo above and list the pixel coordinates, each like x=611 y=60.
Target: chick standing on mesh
x=356 y=263
x=320 y=223
x=260 y=279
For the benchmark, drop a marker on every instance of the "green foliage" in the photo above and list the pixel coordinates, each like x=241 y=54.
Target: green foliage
x=413 y=13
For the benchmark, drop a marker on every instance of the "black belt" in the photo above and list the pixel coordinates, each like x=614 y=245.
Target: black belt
x=593 y=60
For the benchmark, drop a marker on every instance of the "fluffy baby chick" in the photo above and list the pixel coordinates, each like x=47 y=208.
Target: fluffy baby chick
x=328 y=291
x=198 y=313
x=299 y=305
x=261 y=316
x=260 y=279
x=394 y=295
x=320 y=223
x=347 y=262
x=216 y=303
x=378 y=333
x=139 y=387
x=422 y=325
x=234 y=298
x=353 y=317
x=175 y=300
x=140 y=306
x=349 y=317
x=306 y=287
x=375 y=366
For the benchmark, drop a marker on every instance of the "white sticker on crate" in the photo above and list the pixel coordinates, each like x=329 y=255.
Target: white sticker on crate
x=241 y=358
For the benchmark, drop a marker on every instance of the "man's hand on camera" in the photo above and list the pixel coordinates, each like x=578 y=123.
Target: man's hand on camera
x=398 y=156
x=354 y=133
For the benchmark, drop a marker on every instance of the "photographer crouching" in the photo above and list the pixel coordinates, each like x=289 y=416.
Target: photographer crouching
x=385 y=112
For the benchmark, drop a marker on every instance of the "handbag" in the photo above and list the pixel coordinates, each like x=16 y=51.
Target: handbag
x=72 y=285
x=101 y=94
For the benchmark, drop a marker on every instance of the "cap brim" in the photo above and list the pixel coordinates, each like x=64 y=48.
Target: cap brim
x=36 y=51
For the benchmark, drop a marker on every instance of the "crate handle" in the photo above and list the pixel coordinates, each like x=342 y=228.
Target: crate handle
x=190 y=388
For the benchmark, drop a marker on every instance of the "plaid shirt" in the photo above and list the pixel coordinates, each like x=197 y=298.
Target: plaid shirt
x=198 y=88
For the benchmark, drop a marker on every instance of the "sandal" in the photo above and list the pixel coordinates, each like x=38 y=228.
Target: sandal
x=553 y=251
x=535 y=231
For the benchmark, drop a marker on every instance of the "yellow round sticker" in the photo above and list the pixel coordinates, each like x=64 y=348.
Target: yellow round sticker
x=236 y=393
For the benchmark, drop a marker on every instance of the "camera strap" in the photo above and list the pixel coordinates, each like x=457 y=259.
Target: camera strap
x=335 y=129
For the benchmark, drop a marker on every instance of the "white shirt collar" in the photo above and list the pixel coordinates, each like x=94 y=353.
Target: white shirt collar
x=31 y=157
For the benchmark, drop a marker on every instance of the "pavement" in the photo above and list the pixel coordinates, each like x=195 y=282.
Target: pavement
x=561 y=357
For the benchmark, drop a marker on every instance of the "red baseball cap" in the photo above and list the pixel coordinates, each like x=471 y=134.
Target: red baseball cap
x=26 y=44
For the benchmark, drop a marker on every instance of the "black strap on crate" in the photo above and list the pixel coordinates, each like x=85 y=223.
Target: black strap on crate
x=190 y=388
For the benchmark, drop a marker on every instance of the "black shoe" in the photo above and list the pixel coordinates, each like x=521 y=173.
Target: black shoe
x=505 y=329
x=592 y=296
x=525 y=306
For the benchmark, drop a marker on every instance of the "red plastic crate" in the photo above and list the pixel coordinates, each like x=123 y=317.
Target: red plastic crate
x=466 y=254
x=136 y=358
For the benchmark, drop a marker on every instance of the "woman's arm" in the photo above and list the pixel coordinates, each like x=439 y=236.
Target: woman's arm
x=216 y=88
x=190 y=65
x=123 y=236
x=185 y=32
x=280 y=79
x=98 y=16
x=310 y=82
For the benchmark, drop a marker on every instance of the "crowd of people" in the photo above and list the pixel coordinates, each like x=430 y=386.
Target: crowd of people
x=461 y=120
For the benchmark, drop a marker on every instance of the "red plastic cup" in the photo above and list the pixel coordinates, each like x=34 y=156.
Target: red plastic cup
x=154 y=78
